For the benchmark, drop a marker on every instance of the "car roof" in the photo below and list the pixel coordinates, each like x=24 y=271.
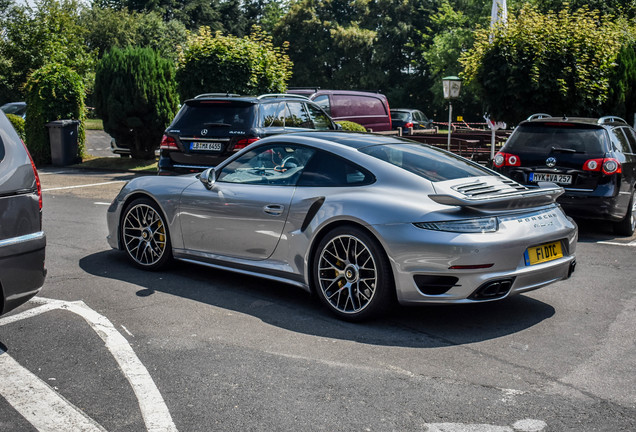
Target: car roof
x=244 y=98
x=585 y=121
x=405 y=109
x=355 y=140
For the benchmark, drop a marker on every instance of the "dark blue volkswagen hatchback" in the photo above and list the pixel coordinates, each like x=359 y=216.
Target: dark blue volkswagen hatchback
x=592 y=159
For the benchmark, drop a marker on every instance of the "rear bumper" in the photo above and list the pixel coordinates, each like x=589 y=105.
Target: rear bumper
x=610 y=208
x=22 y=270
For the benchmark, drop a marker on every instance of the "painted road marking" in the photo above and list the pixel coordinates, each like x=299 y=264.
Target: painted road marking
x=84 y=185
x=151 y=404
x=630 y=244
x=527 y=425
x=37 y=402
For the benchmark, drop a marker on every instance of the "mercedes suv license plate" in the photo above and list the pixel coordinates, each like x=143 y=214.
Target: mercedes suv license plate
x=209 y=146
x=544 y=253
x=554 y=178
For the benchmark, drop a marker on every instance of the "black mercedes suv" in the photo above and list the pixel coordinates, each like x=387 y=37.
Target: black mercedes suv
x=211 y=127
x=592 y=159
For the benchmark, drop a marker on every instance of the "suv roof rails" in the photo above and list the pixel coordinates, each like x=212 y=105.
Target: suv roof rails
x=206 y=95
x=610 y=119
x=281 y=95
x=538 y=116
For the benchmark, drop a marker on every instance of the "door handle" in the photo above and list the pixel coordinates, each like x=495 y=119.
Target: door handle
x=274 y=209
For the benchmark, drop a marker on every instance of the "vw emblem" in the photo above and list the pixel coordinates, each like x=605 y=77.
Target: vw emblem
x=204 y=131
x=550 y=162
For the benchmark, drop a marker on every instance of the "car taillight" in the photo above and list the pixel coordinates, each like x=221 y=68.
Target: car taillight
x=608 y=166
x=506 y=159
x=168 y=143
x=408 y=125
x=241 y=144
x=38 y=185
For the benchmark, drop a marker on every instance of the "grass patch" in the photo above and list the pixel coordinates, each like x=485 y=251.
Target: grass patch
x=118 y=164
x=93 y=124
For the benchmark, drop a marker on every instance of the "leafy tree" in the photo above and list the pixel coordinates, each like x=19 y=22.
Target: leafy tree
x=109 y=28
x=556 y=62
x=212 y=62
x=47 y=32
x=53 y=92
x=622 y=92
x=136 y=97
x=18 y=124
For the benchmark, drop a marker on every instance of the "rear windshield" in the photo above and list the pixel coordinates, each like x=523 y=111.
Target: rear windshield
x=214 y=113
x=399 y=115
x=427 y=162
x=542 y=138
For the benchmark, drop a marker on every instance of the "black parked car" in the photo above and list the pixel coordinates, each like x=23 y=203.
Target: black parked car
x=22 y=241
x=210 y=128
x=592 y=159
x=407 y=118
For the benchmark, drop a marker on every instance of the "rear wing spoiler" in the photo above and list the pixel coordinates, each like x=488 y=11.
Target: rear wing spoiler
x=546 y=194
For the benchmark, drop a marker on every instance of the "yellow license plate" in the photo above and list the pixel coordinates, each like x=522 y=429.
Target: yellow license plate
x=543 y=253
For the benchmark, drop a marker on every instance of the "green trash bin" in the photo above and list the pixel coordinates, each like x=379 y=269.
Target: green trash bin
x=64 y=141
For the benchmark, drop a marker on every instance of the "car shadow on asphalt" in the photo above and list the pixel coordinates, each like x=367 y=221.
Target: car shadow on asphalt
x=594 y=231
x=291 y=308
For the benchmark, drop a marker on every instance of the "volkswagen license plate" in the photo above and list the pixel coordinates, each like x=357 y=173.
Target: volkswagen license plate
x=206 y=146
x=554 y=178
x=543 y=253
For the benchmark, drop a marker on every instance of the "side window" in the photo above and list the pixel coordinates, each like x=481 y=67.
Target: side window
x=297 y=116
x=417 y=116
x=323 y=102
x=272 y=115
x=631 y=139
x=328 y=170
x=319 y=118
x=619 y=140
x=349 y=106
x=274 y=164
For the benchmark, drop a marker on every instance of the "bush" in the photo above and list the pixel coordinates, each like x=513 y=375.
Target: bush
x=53 y=92
x=215 y=63
x=136 y=97
x=351 y=126
x=18 y=124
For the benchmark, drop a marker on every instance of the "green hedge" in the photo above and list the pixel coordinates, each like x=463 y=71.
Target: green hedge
x=18 y=125
x=53 y=92
x=351 y=126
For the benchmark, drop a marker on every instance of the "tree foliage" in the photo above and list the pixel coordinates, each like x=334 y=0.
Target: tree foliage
x=212 y=62
x=53 y=92
x=47 y=32
x=557 y=62
x=136 y=97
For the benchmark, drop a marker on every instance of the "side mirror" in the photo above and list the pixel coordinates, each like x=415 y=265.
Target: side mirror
x=338 y=126
x=208 y=177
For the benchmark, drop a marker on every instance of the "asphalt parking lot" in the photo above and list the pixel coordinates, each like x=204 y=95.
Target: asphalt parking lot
x=105 y=346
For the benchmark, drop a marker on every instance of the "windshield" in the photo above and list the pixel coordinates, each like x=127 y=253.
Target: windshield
x=543 y=138
x=215 y=114
x=399 y=115
x=428 y=162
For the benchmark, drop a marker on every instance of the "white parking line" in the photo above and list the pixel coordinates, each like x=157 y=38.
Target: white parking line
x=37 y=402
x=151 y=404
x=630 y=244
x=84 y=185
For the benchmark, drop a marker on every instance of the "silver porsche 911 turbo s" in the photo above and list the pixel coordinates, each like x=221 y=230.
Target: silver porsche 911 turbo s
x=358 y=219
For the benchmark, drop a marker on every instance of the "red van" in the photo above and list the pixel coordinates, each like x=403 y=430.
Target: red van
x=368 y=109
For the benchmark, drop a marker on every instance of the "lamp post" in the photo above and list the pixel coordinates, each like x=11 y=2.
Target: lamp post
x=452 y=86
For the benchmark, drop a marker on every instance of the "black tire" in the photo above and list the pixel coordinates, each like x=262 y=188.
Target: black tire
x=352 y=275
x=144 y=235
x=627 y=226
